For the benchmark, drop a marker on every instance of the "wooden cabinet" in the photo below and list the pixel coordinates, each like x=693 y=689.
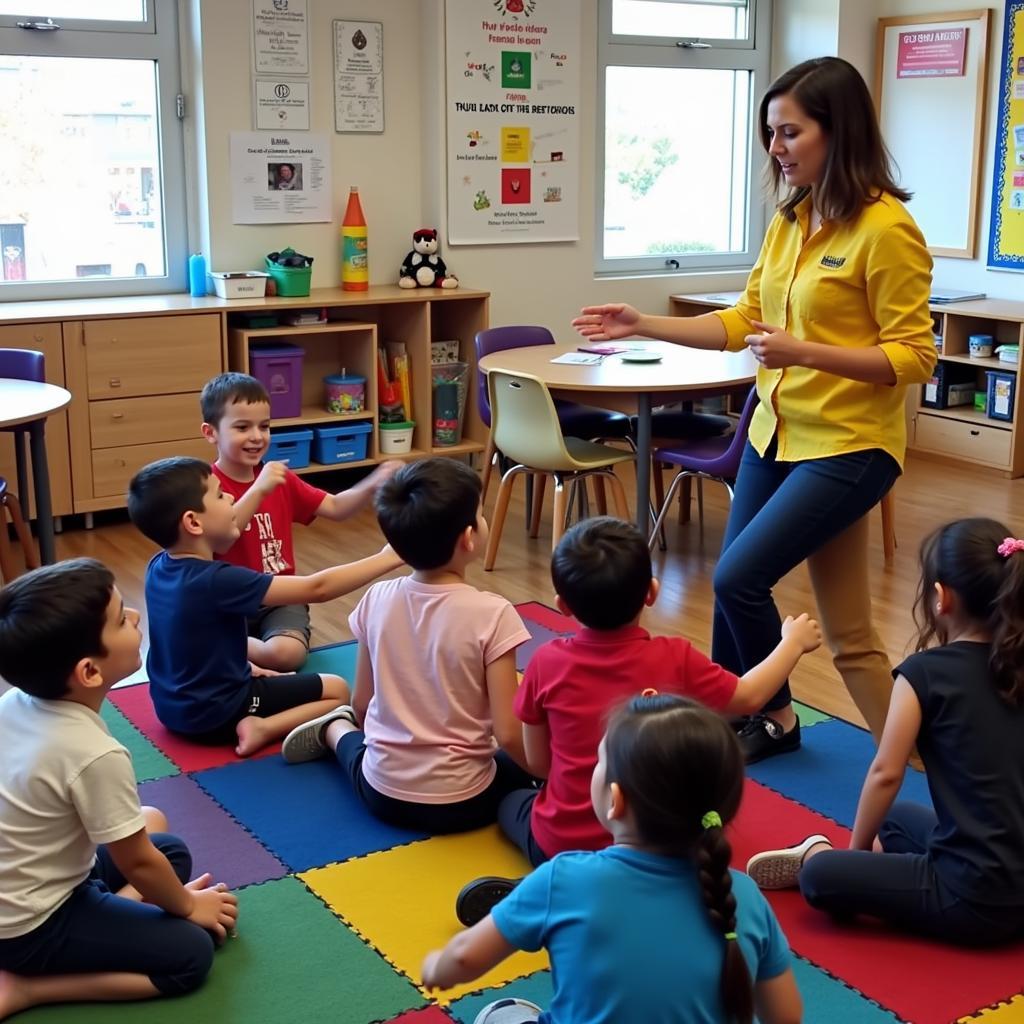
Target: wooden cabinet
x=135 y=384
x=45 y=338
x=962 y=432
x=135 y=367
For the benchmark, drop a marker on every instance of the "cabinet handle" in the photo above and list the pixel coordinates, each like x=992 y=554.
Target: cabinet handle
x=117 y=415
x=975 y=433
x=115 y=382
x=121 y=462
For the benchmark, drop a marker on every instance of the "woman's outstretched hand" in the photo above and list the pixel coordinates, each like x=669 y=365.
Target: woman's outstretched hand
x=775 y=348
x=607 y=323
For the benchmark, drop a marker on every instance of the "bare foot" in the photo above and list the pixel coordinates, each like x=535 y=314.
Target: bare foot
x=12 y=995
x=250 y=736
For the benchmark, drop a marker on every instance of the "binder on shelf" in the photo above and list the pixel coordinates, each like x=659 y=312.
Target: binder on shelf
x=942 y=295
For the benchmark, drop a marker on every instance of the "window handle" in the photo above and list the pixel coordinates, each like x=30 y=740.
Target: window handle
x=39 y=26
x=672 y=264
x=693 y=44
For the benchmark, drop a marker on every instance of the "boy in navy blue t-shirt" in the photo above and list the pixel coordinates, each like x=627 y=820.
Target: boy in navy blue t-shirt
x=201 y=681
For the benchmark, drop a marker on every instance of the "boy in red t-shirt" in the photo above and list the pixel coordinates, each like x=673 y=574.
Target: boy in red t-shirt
x=236 y=418
x=602 y=575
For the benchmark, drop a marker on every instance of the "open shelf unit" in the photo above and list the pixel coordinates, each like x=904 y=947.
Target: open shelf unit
x=962 y=433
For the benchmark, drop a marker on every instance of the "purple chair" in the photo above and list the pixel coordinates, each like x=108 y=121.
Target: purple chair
x=711 y=458
x=577 y=420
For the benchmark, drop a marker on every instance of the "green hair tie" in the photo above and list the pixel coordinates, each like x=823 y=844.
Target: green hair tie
x=711 y=820
x=730 y=936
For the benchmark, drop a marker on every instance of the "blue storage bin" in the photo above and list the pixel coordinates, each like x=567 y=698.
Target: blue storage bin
x=290 y=446
x=345 y=443
x=1000 y=395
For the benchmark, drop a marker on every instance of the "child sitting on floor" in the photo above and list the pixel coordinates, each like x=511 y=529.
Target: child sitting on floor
x=436 y=670
x=95 y=898
x=236 y=418
x=201 y=683
x=655 y=927
x=602 y=575
x=955 y=873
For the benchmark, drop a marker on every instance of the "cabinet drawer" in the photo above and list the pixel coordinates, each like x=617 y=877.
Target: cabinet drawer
x=158 y=355
x=973 y=441
x=131 y=420
x=112 y=468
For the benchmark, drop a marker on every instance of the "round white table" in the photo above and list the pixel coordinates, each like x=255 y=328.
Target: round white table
x=613 y=383
x=24 y=407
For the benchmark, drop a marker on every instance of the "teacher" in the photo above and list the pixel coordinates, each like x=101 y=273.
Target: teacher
x=836 y=313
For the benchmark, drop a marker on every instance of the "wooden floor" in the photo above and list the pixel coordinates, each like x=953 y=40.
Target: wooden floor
x=927 y=495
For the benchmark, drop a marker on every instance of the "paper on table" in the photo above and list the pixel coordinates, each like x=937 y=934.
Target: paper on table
x=585 y=358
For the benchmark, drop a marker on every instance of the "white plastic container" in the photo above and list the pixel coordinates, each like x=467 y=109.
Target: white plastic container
x=240 y=284
x=396 y=438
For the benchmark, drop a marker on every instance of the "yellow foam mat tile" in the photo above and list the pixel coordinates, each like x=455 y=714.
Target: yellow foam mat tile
x=402 y=900
x=1011 y=1012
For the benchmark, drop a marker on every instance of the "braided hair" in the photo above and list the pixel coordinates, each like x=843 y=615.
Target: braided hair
x=675 y=761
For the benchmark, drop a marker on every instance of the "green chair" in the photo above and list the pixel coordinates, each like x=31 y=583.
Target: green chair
x=526 y=429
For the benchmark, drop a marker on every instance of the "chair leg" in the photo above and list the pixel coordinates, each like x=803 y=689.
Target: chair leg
x=679 y=479
x=618 y=496
x=489 y=455
x=28 y=545
x=600 y=496
x=498 y=519
x=538 y=503
x=889 y=527
x=560 y=509
x=7 y=568
x=700 y=501
x=685 y=498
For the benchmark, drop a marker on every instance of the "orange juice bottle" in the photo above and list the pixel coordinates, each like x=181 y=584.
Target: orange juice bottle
x=354 y=266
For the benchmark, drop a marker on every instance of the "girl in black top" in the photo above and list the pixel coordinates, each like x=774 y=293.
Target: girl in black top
x=955 y=873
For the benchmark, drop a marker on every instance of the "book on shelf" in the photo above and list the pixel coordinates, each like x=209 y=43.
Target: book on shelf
x=942 y=295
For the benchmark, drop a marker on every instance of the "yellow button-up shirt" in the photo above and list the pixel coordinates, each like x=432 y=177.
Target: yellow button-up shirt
x=853 y=284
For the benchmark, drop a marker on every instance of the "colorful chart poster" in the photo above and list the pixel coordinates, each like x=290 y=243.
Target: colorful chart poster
x=513 y=101
x=1006 y=234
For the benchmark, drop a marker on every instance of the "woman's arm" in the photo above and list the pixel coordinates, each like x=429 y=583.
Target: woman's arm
x=618 y=320
x=885 y=775
x=467 y=956
x=775 y=349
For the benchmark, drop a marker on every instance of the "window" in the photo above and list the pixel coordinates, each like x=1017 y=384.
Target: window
x=679 y=82
x=92 y=177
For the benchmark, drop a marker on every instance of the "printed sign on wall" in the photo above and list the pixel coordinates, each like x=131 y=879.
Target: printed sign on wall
x=513 y=101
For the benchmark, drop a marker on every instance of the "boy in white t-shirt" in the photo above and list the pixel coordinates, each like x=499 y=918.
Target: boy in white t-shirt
x=80 y=921
x=436 y=672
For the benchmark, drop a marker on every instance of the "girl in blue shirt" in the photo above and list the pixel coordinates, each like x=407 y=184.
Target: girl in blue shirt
x=655 y=928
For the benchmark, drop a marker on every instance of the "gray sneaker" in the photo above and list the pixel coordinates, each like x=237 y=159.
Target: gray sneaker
x=306 y=742
x=508 y=1011
x=780 y=869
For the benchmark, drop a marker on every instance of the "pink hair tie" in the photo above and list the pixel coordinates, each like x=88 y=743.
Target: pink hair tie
x=1010 y=546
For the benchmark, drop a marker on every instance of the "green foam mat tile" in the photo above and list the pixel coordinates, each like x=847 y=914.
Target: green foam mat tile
x=148 y=761
x=809 y=716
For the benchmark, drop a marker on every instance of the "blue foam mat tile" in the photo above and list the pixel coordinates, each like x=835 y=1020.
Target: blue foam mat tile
x=339 y=659
x=828 y=1000
x=306 y=814
x=827 y=772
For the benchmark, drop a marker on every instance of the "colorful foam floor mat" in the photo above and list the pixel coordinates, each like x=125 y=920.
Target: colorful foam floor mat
x=338 y=910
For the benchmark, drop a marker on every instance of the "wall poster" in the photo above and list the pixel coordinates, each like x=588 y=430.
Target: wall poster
x=1006 y=234
x=512 y=104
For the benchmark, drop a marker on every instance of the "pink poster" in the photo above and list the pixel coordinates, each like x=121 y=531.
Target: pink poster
x=937 y=53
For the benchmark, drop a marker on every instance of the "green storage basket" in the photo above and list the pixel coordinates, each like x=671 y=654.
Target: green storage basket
x=291 y=281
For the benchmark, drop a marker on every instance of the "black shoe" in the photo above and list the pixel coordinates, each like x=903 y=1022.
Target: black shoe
x=763 y=737
x=479 y=897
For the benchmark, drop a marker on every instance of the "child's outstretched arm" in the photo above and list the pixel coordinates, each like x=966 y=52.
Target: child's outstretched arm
x=150 y=873
x=777 y=1000
x=502 y=683
x=348 y=503
x=885 y=775
x=272 y=475
x=756 y=687
x=471 y=953
x=328 y=584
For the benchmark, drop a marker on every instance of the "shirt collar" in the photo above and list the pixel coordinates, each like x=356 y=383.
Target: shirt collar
x=612 y=636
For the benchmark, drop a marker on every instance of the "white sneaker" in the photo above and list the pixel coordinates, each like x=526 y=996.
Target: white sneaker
x=306 y=742
x=780 y=869
x=508 y=1011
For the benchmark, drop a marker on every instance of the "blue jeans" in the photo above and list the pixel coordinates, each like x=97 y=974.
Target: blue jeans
x=782 y=513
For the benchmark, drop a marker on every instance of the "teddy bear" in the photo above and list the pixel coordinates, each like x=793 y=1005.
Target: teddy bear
x=422 y=267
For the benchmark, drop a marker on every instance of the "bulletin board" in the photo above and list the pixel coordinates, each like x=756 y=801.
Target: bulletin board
x=930 y=82
x=1006 y=233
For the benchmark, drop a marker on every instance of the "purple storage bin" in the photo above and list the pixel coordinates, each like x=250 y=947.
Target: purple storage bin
x=279 y=368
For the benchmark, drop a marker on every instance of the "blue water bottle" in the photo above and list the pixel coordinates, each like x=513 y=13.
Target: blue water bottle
x=197 y=274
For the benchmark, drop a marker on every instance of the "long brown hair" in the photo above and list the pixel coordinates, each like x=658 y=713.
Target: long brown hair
x=675 y=760
x=858 y=167
x=964 y=556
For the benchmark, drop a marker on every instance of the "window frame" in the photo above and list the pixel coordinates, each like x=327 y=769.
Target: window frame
x=155 y=39
x=752 y=54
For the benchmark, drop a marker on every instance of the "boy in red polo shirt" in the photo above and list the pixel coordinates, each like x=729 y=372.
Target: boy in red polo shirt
x=602 y=575
x=236 y=418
